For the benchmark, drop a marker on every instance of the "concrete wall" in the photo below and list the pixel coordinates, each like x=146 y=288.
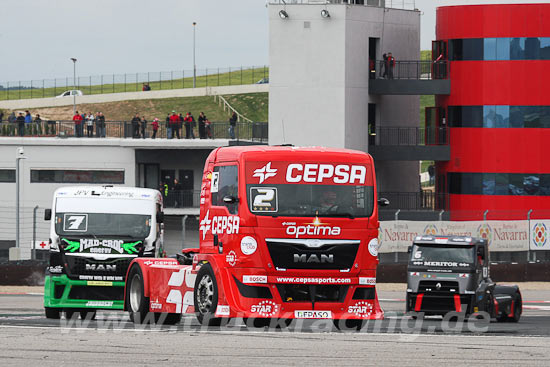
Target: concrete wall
x=319 y=77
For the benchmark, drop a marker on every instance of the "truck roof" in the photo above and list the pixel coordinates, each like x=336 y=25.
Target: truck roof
x=449 y=240
x=119 y=192
x=263 y=152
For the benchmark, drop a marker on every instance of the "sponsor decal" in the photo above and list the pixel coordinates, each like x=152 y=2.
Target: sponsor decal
x=312 y=314
x=160 y=262
x=222 y=310
x=373 y=247
x=99 y=283
x=155 y=305
x=215 y=182
x=219 y=224
x=316 y=228
x=42 y=245
x=75 y=222
x=484 y=231
x=265 y=172
x=430 y=229
x=231 y=258
x=254 y=279
x=109 y=278
x=99 y=304
x=367 y=281
x=96 y=246
x=361 y=309
x=264 y=199
x=299 y=280
x=339 y=174
x=265 y=308
x=55 y=269
x=248 y=245
x=175 y=296
x=539 y=234
x=442 y=263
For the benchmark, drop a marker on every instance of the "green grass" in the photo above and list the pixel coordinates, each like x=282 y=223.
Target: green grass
x=425 y=55
x=254 y=106
x=237 y=77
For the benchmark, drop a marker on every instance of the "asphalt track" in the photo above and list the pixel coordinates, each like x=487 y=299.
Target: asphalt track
x=28 y=338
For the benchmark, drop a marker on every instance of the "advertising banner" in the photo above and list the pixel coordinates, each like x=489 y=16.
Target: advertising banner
x=397 y=236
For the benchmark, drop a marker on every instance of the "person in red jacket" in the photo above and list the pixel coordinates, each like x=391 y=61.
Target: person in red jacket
x=155 y=125
x=173 y=124
x=390 y=64
x=77 y=118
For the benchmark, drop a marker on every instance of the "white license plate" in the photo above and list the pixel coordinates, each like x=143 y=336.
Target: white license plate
x=313 y=314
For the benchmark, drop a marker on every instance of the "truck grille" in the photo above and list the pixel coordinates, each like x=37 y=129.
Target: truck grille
x=97 y=293
x=315 y=293
x=429 y=286
x=312 y=254
x=114 y=267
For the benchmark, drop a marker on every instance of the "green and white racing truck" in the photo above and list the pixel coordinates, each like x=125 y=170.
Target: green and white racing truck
x=95 y=232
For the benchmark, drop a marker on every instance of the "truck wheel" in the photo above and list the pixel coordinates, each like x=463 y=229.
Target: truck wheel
x=167 y=318
x=138 y=304
x=52 y=313
x=518 y=309
x=69 y=314
x=90 y=315
x=206 y=296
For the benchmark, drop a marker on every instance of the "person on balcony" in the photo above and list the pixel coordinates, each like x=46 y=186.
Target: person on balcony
x=100 y=125
x=232 y=124
x=155 y=125
x=135 y=126
x=77 y=118
x=390 y=62
x=21 y=124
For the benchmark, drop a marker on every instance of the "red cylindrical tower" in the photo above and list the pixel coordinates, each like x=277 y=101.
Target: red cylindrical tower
x=498 y=111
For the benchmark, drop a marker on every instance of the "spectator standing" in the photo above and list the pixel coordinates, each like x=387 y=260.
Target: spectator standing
x=21 y=124
x=384 y=66
x=391 y=65
x=11 y=120
x=28 y=117
x=38 y=123
x=174 y=123
x=100 y=125
x=192 y=124
x=135 y=126
x=168 y=128
x=232 y=124
x=143 y=127
x=77 y=118
x=202 y=126
x=1 y=116
x=90 y=125
x=208 y=127
x=181 y=124
x=177 y=193
x=155 y=125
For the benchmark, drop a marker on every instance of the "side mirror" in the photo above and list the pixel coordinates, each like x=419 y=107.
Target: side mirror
x=383 y=202
x=160 y=217
x=47 y=214
x=216 y=240
x=230 y=199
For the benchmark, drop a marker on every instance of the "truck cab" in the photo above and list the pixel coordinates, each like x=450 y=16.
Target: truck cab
x=451 y=273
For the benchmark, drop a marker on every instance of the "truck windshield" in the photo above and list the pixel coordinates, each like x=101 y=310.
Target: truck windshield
x=103 y=224
x=302 y=200
x=442 y=256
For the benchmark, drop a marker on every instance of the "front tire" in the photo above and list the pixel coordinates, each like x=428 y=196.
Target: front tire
x=205 y=296
x=138 y=304
x=52 y=313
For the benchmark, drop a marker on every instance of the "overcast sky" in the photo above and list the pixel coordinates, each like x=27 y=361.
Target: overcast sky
x=37 y=37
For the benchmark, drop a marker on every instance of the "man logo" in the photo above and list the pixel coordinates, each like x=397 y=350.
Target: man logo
x=324 y=259
x=438 y=286
x=76 y=223
x=100 y=267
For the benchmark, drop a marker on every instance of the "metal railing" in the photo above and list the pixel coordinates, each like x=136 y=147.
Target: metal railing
x=250 y=131
x=182 y=199
x=421 y=200
x=410 y=136
x=395 y=4
x=134 y=82
x=410 y=69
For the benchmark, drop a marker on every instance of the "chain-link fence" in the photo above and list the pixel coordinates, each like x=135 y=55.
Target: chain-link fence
x=134 y=82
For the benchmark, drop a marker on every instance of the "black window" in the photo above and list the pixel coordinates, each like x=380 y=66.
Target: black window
x=77 y=176
x=466 y=49
x=465 y=116
x=517 y=184
x=225 y=183
x=7 y=175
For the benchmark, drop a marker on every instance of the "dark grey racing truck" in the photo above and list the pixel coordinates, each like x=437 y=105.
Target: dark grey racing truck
x=451 y=273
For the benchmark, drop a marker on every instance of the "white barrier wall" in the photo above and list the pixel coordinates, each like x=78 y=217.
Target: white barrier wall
x=503 y=236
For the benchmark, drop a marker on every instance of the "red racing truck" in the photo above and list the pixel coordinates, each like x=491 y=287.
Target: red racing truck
x=285 y=233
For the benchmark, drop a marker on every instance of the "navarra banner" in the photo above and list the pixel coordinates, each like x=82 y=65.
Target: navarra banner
x=397 y=236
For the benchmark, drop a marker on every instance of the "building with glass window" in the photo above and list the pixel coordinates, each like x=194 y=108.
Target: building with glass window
x=498 y=110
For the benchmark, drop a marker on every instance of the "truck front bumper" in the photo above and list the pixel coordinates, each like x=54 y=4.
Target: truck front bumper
x=62 y=292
